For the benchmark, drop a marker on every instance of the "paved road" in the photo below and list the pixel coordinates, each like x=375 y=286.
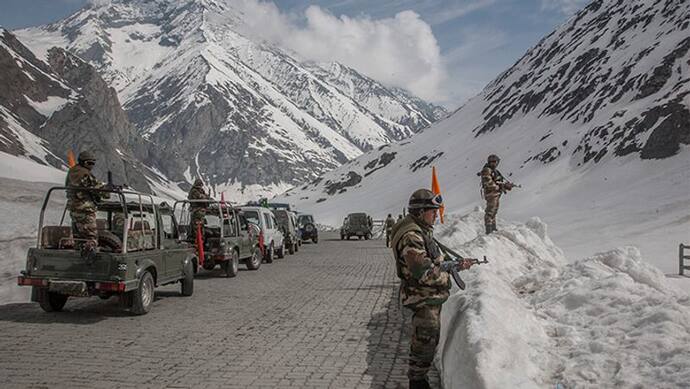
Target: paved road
x=327 y=317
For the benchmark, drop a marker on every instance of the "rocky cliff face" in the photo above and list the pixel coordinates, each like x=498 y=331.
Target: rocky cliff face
x=48 y=108
x=245 y=116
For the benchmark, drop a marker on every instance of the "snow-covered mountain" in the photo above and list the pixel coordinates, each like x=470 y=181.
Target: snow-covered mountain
x=244 y=115
x=594 y=122
x=60 y=104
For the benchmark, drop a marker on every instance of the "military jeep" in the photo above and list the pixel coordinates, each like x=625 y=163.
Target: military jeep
x=226 y=235
x=138 y=250
x=357 y=224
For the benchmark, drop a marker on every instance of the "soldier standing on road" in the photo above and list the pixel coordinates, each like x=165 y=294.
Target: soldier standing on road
x=390 y=222
x=425 y=283
x=198 y=209
x=82 y=204
x=493 y=186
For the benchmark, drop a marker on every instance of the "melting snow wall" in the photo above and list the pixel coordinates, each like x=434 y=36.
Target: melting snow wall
x=531 y=320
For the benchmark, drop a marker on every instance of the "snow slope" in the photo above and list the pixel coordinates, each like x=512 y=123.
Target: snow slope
x=529 y=319
x=592 y=122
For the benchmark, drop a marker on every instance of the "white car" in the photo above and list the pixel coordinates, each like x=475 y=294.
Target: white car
x=274 y=242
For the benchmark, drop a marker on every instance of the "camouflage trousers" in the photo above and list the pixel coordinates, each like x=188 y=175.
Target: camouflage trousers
x=491 y=210
x=426 y=329
x=388 y=237
x=84 y=226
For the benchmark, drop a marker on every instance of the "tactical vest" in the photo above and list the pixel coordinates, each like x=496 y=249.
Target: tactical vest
x=408 y=224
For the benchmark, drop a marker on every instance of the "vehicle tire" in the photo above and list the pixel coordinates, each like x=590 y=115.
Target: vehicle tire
x=297 y=246
x=292 y=249
x=342 y=237
x=142 y=297
x=367 y=236
x=187 y=283
x=195 y=264
x=270 y=253
x=281 y=253
x=231 y=266
x=108 y=239
x=315 y=240
x=254 y=263
x=51 y=301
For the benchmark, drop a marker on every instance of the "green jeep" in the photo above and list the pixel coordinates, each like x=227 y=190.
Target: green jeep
x=226 y=235
x=138 y=249
x=357 y=224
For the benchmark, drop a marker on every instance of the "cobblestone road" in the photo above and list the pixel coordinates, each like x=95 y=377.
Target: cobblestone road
x=327 y=317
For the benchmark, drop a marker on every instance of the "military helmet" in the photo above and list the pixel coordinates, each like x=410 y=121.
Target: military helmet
x=86 y=156
x=493 y=158
x=425 y=199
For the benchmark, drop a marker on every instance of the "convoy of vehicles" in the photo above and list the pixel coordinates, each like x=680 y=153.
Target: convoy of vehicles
x=357 y=224
x=144 y=243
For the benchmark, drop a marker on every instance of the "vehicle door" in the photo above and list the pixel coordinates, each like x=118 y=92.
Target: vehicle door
x=173 y=250
x=269 y=230
x=143 y=241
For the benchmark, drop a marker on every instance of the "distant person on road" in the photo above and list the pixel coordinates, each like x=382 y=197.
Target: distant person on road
x=493 y=186
x=424 y=282
x=82 y=204
x=390 y=222
x=198 y=209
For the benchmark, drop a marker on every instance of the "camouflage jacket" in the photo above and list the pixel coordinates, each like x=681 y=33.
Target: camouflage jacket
x=198 y=193
x=417 y=261
x=492 y=180
x=82 y=201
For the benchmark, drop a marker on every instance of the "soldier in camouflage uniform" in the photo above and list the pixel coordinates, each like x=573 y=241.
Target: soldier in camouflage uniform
x=425 y=281
x=82 y=205
x=390 y=222
x=198 y=210
x=493 y=186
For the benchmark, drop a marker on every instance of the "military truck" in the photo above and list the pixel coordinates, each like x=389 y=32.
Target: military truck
x=357 y=224
x=138 y=250
x=286 y=221
x=308 y=227
x=226 y=236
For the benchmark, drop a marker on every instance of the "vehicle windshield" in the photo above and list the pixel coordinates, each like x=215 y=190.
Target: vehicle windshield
x=304 y=219
x=252 y=217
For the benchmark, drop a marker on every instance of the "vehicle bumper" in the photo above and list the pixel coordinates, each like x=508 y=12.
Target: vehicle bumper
x=79 y=288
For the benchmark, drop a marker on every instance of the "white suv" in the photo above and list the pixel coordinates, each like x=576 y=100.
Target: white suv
x=274 y=243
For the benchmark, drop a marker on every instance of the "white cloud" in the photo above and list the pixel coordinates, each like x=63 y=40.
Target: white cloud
x=400 y=51
x=566 y=7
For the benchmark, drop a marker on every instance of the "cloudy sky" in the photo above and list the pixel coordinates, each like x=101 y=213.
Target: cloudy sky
x=444 y=51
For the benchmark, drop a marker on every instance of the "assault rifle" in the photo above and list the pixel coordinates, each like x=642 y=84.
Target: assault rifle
x=457 y=258
x=512 y=185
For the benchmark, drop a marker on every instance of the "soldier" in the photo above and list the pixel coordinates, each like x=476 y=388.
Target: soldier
x=198 y=209
x=399 y=218
x=390 y=222
x=425 y=281
x=493 y=186
x=82 y=205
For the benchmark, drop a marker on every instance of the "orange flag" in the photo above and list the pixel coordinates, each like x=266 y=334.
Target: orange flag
x=70 y=159
x=436 y=188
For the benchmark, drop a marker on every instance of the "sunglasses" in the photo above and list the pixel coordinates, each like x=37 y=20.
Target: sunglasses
x=437 y=200
x=90 y=163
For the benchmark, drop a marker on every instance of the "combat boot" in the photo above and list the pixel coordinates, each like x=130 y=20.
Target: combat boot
x=419 y=384
x=493 y=228
x=488 y=228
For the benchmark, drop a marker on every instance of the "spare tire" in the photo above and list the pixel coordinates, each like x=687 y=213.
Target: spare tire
x=110 y=240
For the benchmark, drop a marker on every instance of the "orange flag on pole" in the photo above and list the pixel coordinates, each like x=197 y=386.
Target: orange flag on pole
x=436 y=188
x=70 y=159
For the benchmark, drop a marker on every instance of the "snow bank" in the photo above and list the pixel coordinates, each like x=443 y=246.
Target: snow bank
x=531 y=320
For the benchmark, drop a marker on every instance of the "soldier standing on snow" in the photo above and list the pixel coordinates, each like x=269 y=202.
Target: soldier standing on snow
x=390 y=222
x=82 y=204
x=198 y=209
x=425 y=281
x=493 y=186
